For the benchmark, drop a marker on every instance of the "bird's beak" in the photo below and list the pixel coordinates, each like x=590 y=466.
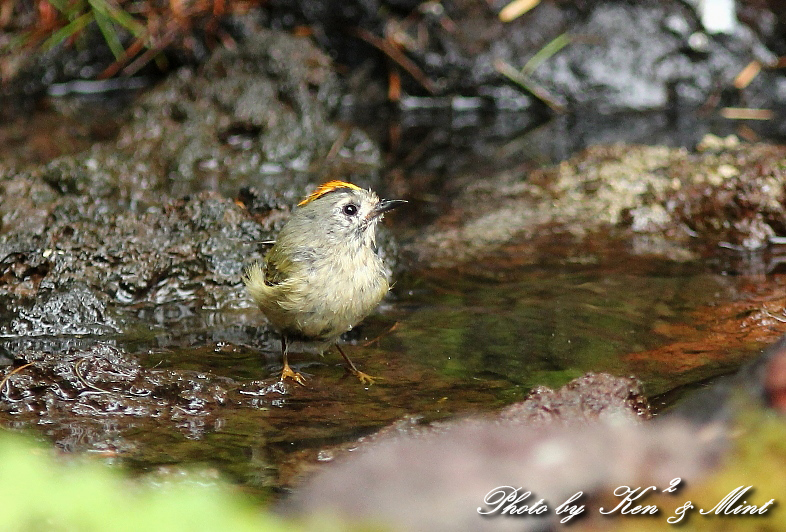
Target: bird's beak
x=386 y=205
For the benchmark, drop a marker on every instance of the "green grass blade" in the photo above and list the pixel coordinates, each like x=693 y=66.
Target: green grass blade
x=119 y=16
x=556 y=102
x=554 y=46
x=62 y=6
x=72 y=28
x=107 y=28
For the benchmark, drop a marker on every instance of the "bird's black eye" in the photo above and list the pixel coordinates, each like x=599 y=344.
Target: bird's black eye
x=350 y=209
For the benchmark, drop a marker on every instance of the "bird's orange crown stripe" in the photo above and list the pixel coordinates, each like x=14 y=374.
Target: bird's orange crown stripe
x=324 y=188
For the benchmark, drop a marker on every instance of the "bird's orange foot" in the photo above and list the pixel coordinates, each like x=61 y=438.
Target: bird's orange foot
x=364 y=378
x=294 y=375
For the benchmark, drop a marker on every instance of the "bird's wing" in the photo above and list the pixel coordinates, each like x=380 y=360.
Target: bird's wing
x=275 y=267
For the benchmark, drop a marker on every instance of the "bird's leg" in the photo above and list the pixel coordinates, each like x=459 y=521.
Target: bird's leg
x=364 y=378
x=287 y=371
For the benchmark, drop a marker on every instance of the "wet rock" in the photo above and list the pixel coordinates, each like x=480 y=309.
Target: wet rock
x=127 y=218
x=671 y=201
x=73 y=67
x=30 y=70
x=435 y=478
x=80 y=387
x=588 y=398
x=645 y=57
x=740 y=203
x=612 y=56
x=73 y=310
x=24 y=203
x=191 y=249
x=257 y=115
x=616 y=55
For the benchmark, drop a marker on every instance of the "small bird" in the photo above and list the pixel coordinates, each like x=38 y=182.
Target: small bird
x=323 y=274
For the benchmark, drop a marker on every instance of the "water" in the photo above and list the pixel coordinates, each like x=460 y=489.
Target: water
x=446 y=343
x=547 y=324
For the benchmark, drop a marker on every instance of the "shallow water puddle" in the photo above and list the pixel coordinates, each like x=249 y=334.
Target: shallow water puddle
x=447 y=342
x=668 y=324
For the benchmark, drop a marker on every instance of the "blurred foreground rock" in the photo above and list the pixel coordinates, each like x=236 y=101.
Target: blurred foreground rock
x=554 y=445
x=584 y=437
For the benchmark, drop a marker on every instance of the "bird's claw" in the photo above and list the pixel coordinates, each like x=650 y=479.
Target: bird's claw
x=364 y=378
x=294 y=375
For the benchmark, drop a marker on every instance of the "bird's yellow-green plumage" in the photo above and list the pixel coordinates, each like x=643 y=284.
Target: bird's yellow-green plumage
x=323 y=274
